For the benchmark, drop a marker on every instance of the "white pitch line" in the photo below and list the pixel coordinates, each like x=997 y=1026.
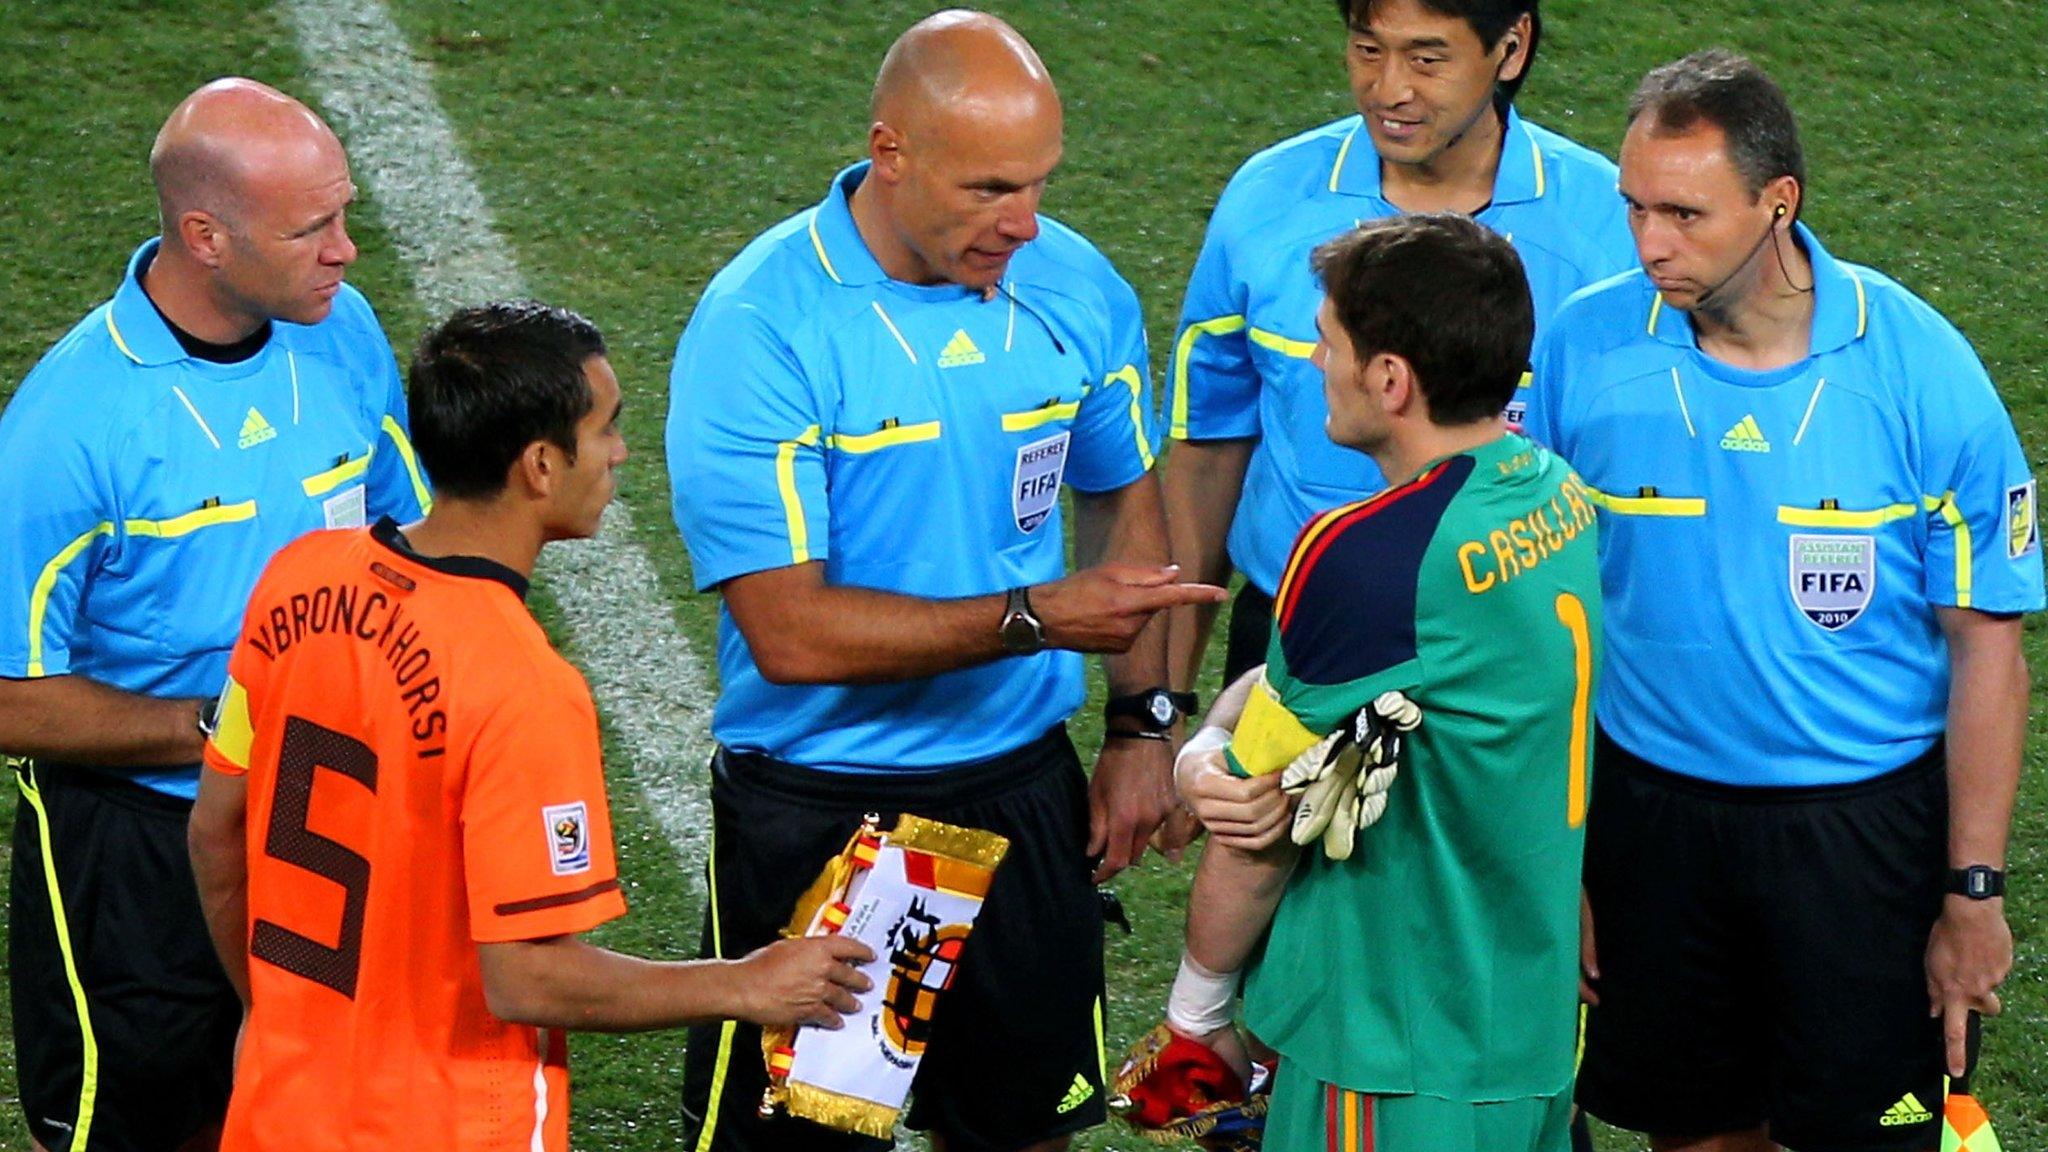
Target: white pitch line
x=649 y=685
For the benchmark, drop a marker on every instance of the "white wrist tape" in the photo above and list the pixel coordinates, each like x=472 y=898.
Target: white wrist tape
x=1209 y=739
x=1207 y=742
x=1201 y=1000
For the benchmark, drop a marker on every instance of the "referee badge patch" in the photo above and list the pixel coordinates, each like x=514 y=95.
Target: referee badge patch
x=346 y=509
x=2022 y=527
x=1833 y=577
x=1036 y=489
x=568 y=837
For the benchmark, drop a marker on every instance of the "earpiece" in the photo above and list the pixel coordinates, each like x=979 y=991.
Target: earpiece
x=1780 y=213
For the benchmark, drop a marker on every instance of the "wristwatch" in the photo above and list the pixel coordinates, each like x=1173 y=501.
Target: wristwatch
x=209 y=716
x=1155 y=708
x=1978 y=882
x=1021 y=631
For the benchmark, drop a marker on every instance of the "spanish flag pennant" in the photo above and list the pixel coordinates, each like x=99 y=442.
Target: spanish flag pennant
x=912 y=895
x=1965 y=1127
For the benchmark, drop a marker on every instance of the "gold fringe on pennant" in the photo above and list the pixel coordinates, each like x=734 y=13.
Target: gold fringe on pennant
x=846 y=1113
x=969 y=844
x=1140 y=1061
x=829 y=887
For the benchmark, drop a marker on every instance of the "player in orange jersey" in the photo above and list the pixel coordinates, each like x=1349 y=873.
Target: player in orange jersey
x=405 y=828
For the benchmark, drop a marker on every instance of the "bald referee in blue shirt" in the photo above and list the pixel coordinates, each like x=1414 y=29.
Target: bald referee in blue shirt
x=1819 y=534
x=874 y=411
x=232 y=396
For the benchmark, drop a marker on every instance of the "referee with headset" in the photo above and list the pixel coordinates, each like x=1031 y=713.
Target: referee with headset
x=1818 y=539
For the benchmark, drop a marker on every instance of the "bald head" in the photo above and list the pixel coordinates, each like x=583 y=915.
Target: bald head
x=227 y=137
x=966 y=130
x=254 y=190
x=963 y=62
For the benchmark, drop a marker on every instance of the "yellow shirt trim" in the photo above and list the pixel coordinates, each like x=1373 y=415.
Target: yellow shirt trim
x=1039 y=417
x=1299 y=349
x=1128 y=375
x=1218 y=326
x=792 y=503
x=46 y=582
x=885 y=437
x=1649 y=505
x=411 y=460
x=335 y=477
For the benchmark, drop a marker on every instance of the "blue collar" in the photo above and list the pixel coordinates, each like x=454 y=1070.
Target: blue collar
x=138 y=330
x=1841 y=307
x=835 y=238
x=1520 y=177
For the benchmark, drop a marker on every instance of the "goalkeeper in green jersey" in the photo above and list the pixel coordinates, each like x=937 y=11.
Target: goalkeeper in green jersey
x=1421 y=726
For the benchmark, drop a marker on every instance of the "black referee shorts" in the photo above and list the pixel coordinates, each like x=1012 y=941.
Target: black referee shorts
x=1016 y=1049
x=1762 y=956
x=1250 y=635
x=124 y=1023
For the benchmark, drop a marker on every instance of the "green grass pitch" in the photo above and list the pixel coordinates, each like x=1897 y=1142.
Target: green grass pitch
x=629 y=147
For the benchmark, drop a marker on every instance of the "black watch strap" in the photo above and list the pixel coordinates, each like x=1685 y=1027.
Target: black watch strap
x=1978 y=882
x=1022 y=633
x=1154 y=708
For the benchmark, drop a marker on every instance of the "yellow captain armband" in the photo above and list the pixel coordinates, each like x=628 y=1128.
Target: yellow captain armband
x=231 y=732
x=1268 y=736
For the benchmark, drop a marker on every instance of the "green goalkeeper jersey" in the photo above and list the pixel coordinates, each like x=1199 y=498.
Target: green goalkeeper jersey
x=1442 y=957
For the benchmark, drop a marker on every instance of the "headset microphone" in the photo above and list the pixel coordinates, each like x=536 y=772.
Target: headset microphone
x=1754 y=250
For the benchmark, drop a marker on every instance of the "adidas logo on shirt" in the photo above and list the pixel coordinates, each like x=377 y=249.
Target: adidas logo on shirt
x=1907 y=1111
x=1077 y=1094
x=255 y=430
x=960 y=351
x=1746 y=437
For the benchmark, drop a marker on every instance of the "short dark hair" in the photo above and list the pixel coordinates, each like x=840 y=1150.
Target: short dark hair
x=1727 y=90
x=489 y=381
x=1446 y=294
x=1489 y=20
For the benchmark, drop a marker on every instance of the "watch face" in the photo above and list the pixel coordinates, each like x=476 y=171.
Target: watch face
x=1978 y=882
x=1161 y=709
x=1021 y=634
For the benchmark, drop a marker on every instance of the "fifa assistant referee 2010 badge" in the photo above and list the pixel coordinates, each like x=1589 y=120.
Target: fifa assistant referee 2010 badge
x=911 y=895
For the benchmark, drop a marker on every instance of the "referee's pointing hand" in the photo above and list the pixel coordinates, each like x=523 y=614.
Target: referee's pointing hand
x=1102 y=609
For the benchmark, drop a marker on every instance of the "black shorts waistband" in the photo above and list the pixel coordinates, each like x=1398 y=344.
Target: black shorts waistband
x=940 y=787
x=1611 y=756
x=56 y=776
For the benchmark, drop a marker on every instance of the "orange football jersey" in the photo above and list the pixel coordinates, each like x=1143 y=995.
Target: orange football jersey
x=424 y=775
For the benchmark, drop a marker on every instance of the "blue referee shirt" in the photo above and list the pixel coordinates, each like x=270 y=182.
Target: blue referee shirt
x=1776 y=543
x=1241 y=362
x=142 y=491
x=912 y=439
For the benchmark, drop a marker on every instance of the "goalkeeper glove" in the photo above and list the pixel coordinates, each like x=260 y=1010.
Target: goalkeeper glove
x=1342 y=780
x=1170 y=1088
